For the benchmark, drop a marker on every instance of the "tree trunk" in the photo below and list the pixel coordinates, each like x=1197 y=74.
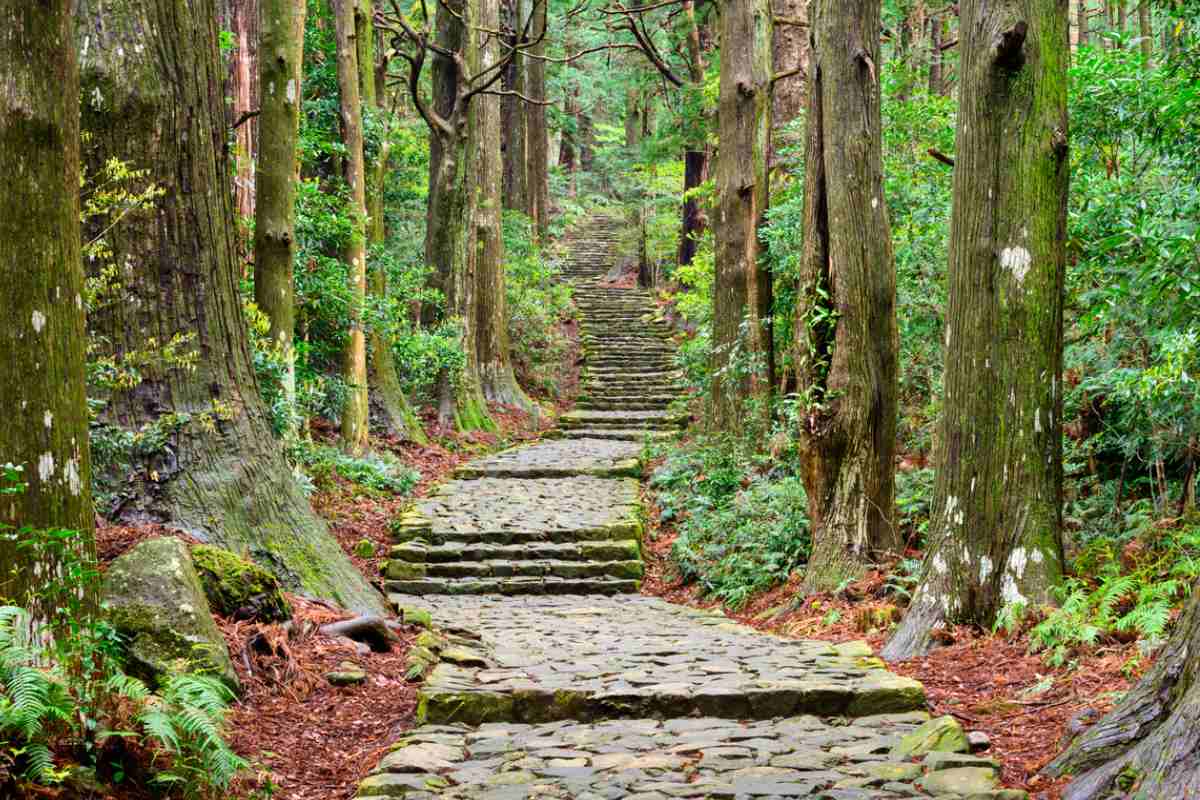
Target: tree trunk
x=221 y=476
x=1081 y=23
x=845 y=318
x=1145 y=748
x=537 y=133
x=789 y=51
x=496 y=376
x=936 y=58
x=514 y=116
x=245 y=22
x=393 y=412
x=1146 y=33
x=995 y=534
x=742 y=341
x=282 y=27
x=696 y=156
x=355 y=411
x=41 y=282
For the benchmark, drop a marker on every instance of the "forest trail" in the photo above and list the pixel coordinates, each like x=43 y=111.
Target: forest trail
x=557 y=680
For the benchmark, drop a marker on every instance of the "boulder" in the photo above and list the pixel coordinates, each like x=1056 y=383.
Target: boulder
x=941 y=735
x=154 y=599
x=239 y=588
x=959 y=781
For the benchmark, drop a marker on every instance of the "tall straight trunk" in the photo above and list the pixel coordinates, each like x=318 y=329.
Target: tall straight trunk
x=514 y=117
x=394 y=413
x=845 y=317
x=496 y=376
x=449 y=230
x=937 y=27
x=566 y=145
x=41 y=283
x=586 y=139
x=279 y=75
x=1146 y=33
x=634 y=125
x=742 y=340
x=789 y=51
x=355 y=410
x=222 y=476
x=995 y=531
x=696 y=155
x=538 y=146
x=1122 y=17
x=1081 y=24
x=245 y=22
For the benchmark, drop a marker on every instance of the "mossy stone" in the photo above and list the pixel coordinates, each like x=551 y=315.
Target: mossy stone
x=154 y=598
x=238 y=587
x=941 y=735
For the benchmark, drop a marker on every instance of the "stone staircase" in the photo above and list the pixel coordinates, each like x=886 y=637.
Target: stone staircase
x=560 y=516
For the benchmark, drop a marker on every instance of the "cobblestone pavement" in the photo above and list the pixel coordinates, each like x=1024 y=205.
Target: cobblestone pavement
x=554 y=679
x=560 y=458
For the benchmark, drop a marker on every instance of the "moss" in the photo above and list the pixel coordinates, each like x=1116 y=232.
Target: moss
x=234 y=585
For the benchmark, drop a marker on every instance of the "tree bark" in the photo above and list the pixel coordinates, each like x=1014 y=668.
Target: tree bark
x=1081 y=23
x=937 y=28
x=1145 y=748
x=245 y=21
x=789 y=51
x=696 y=155
x=41 y=282
x=355 y=411
x=221 y=476
x=394 y=414
x=538 y=146
x=1146 y=33
x=742 y=340
x=496 y=376
x=995 y=532
x=846 y=320
x=514 y=116
x=282 y=27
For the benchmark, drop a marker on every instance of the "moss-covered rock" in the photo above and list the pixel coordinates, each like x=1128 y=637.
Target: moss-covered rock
x=154 y=598
x=236 y=587
x=939 y=735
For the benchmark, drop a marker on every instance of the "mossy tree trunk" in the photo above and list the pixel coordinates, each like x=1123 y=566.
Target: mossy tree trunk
x=496 y=377
x=41 y=283
x=742 y=342
x=995 y=531
x=1145 y=748
x=846 y=337
x=355 y=409
x=538 y=145
x=514 y=120
x=394 y=414
x=279 y=74
x=220 y=475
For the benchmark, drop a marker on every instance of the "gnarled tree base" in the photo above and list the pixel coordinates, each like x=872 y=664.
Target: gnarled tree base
x=1149 y=745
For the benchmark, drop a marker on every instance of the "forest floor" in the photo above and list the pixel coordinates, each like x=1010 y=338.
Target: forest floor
x=307 y=739
x=989 y=682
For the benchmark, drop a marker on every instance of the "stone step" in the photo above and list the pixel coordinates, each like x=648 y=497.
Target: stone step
x=558 y=459
x=623 y=419
x=621 y=434
x=586 y=550
x=633 y=369
x=398 y=570
x=526 y=537
x=622 y=405
x=512 y=586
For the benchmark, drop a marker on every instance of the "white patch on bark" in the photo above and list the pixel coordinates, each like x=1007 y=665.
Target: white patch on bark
x=48 y=420
x=39 y=321
x=1016 y=260
x=972 y=484
x=1037 y=420
x=1036 y=556
x=985 y=569
x=939 y=564
x=1017 y=562
x=874 y=202
x=271 y=88
x=71 y=474
x=45 y=466
x=79 y=301
x=1009 y=591
x=291 y=90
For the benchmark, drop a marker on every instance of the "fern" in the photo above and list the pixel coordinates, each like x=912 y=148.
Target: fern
x=186 y=723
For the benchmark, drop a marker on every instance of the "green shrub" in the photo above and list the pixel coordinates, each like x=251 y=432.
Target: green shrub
x=381 y=472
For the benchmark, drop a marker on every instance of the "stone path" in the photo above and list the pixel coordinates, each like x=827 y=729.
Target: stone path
x=554 y=679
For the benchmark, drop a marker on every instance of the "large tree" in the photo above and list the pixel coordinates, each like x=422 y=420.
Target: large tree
x=41 y=285
x=846 y=337
x=218 y=474
x=279 y=75
x=355 y=408
x=537 y=132
x=1146 y=747
x=393 y=412
x=995 y=532
x=741 y=337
